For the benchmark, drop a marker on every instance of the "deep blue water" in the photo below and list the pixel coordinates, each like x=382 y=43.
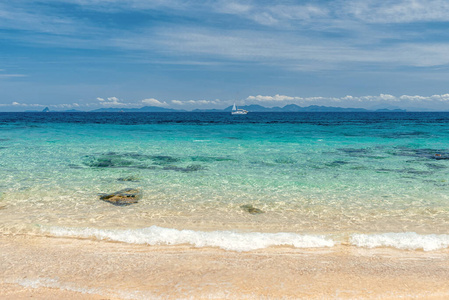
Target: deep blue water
x=317 y=118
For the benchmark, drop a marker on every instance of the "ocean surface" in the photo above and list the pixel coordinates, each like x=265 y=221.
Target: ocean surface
x=234 y=182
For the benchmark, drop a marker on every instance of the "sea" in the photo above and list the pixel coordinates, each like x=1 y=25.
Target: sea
x=238 y=183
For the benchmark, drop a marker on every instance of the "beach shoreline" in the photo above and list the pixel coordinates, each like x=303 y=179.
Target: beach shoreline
x=51 y=268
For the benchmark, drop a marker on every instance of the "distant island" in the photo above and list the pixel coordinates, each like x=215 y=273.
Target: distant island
x=250 y=108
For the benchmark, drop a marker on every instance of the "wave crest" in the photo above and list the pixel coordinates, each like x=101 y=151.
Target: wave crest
x=227 y=240
x=405 y=240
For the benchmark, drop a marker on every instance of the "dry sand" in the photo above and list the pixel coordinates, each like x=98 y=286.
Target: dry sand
x=64 y=268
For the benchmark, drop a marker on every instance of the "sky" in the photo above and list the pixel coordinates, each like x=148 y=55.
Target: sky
x=183 y=54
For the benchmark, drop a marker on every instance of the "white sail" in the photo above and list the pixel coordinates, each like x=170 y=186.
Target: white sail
x=238 y=111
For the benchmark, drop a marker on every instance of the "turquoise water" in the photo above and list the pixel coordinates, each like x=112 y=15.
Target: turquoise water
x=329 y=174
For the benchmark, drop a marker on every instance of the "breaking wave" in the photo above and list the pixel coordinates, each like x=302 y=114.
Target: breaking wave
x=227 y=240
x=405 y=240
x=247 y=241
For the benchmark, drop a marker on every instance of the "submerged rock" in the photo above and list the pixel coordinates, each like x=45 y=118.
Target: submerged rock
x=109 y=162
x=189 y=168
x=117 y=160
x=129 y=178
x=123 y=197
x=73 y=166
x=164 y=159
x=251 y=209
x=436 y=154
x=337 y=163
x=209 y=158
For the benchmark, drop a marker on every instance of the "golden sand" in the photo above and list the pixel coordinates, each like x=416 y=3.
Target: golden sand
x=64 y=268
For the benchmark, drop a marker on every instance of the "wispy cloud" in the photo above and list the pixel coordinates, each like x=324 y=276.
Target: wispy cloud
x=289 y=51
x=11 y=75
x=8 y=75
x=397 y=11
x=343 y=31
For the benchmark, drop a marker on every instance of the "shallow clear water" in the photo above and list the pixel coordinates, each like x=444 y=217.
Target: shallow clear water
x=332 y=174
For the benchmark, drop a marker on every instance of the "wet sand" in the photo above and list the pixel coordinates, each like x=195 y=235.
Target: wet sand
x=64 y=268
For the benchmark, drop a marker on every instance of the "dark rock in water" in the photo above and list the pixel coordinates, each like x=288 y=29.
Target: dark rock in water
x=118 y=160
x=438 y=156
x=164 y=159
x=194 y=167
x=406 y=135
x=435 y=154
x=109 y=162
x=414 y=171
x=251 y=209
x=354 y=151
x=209 y=158
x=123 y=197
x=436 y=167
x=145 y=167
x=189 y=168
x=73 y=166
x=337 y=163
x=129 y=178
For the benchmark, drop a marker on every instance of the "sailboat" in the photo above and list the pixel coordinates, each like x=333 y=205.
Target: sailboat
x=238 y=111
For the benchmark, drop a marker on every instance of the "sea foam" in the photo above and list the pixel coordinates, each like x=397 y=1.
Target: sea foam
x=228 y=240
x=405 y=240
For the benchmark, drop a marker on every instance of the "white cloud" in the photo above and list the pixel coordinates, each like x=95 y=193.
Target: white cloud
x=154 y=102
x=194 y=103
x=111 y=101
x=177 y=102
x=350 y=100
x=442 y=98
x=15 y=103
x=276 y=97
x=64 y=105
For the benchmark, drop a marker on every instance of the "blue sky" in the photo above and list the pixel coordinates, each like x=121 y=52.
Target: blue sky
x=87 y=54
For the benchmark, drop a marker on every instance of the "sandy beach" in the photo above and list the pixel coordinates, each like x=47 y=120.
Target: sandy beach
x=56 y=268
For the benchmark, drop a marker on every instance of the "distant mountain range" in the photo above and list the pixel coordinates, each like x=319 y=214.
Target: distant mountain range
x=250 y=108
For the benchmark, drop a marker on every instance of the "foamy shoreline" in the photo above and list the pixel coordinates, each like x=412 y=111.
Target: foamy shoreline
x=51 y=268
x=235 y=240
